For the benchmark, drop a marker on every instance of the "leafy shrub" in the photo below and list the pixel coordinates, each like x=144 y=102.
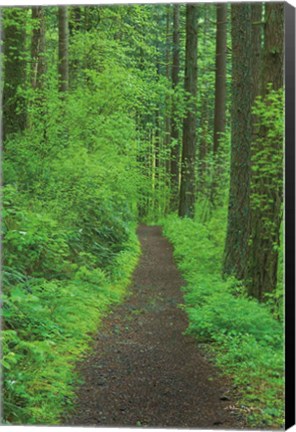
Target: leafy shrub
x=69 y=232
x=47 y=328
x=242 y=334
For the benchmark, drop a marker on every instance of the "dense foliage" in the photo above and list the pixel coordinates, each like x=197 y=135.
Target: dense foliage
x=245 y=337
x=69 y=222
x=95 y=129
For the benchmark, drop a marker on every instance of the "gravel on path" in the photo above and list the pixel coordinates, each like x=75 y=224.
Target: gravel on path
x=143 y=371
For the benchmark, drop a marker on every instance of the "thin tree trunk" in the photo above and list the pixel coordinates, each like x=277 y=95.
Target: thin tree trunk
x=38 y=47
x=203 y=147
x=167 y=137
x=63 y=67
x=175 y=152
x=236 y=246
x=187 y=192
x=203 y=150
x=220 y=92
x=257 y=33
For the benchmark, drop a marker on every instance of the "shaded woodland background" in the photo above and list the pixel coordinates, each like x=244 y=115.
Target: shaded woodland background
x=167 y=114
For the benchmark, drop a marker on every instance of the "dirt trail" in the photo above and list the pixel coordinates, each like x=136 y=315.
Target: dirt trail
x=143 y=370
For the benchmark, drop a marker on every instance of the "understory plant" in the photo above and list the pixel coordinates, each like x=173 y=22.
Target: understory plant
x=69 y=219
x=241 y=334
x=48 y=328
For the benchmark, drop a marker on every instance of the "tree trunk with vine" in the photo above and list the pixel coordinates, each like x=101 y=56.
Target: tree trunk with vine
x=267 y=161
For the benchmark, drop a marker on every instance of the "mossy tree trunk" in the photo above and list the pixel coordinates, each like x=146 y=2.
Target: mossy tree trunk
x=267 y=189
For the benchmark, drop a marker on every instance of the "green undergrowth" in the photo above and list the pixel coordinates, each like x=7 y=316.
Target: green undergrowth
x=49 y=323
x=244 y=338
x=68 y=226
x=48 y=328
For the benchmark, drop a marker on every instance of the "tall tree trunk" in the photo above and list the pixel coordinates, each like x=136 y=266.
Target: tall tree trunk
x=257 y=33
x=257 y=47
x=175 y=151
x=203 y=145
x=187 y=192
x=273 y=47
x=267 y=188
x=236 y=246
x=63 y=67
x=203 y=150
x=14 y=106
x=38 y=47
x=167 y=137
x=157 y=146
x=220 y=92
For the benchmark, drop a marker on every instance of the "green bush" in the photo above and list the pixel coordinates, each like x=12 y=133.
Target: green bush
x=69 y=238
x=48 y=327
x=245 y=339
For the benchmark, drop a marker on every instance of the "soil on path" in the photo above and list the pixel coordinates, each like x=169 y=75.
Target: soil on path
x=143 y=371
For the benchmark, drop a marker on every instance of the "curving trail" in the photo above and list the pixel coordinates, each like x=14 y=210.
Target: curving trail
x=143 y=371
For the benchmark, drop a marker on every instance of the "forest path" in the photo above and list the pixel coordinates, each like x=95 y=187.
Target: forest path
x=143 y=371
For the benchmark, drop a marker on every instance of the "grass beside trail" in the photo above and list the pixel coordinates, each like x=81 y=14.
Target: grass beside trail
x=244 y=338
x=49 y=325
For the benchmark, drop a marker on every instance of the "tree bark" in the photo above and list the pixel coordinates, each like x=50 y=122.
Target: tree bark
x=203 y=145
x=273 y=46
x=236 y=245
x=220 y=91
x=175 y=151
x=187 y=192
x=257 y=33
x=203 y=151
x=268 y=178
x=38 y=47
x=63 y=67
x=14 y=106
x=167 y=137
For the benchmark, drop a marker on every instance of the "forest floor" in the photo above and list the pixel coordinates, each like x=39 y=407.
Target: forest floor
x=142 y=370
